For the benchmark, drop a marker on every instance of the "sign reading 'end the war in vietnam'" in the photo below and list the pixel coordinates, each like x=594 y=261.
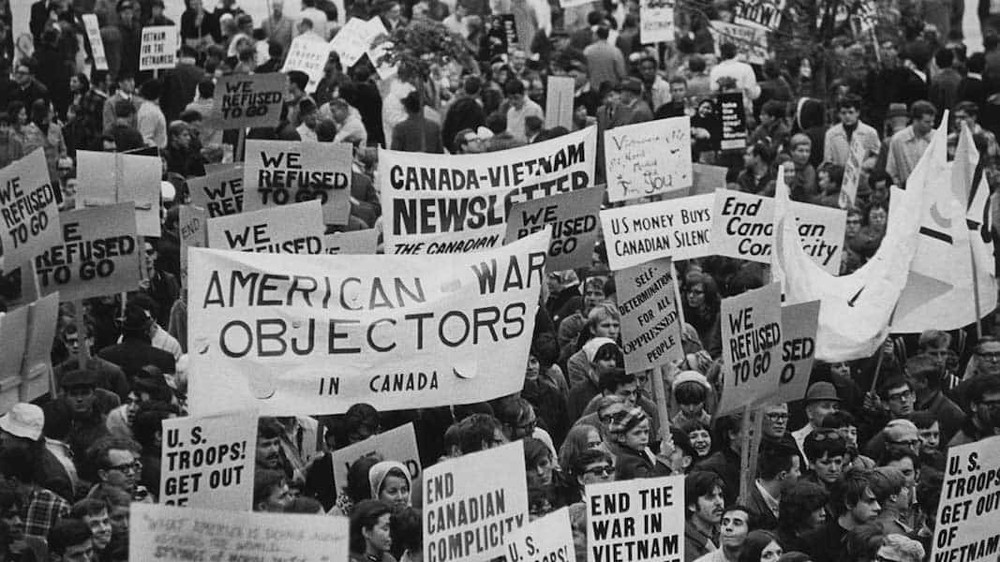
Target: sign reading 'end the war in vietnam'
x=640 y=519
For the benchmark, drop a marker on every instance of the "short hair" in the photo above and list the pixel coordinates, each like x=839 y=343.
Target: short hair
x=850 y=489
x=513 y=87
x=904 y=547
x=406 y=529
x=923 y=367
x=774 y=108
x=148 y=421
x=824 y=442
x=798 y=502
x=976 y=63
x=177 y=127
x=683 y=442
x=326 y=130
x=190 y=116
x=944 y=58
x=727 y=50
x=512 y=409
x=764 y=151
x=920 y=108
x=98 y=453
x=690 y=392
x=774 y=459
x=206 y=88
x=697 y=63
x=612 y=379
x=678 y=79
x=700 y=483
x=476 y=430
x=361 y=416
x=472 y=84
x=411 y=102
x=894 y=381
x=66 y=533
x=264 y=482
x=798 y=140
x=150 y=89
x=359 y=487
x=20 y=462
x=365 y=515
x=603 y=32
x=923 y=419
x=269 y=428
x=533 y=123
x=299 y=78
x=578 y=464
x=885 y=482
x=969 y=107
x=88 y=507
x=934 y=338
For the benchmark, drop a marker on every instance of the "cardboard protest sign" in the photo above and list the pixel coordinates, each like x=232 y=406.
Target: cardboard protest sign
x=13 y=337
x=192 y=225
x=734 y=121
x=650 y=318
x=36 y=369
x=968 y=521
x=764 y=14
x=29 y=210
x=401 y=332
x=573 y=3
x=649 y=158
x=208 y=461
x=351 y=242
x=249 y=100
x=454 y=204
x=708 y=178
x=470 y=507
x=751 y=328
x=399 y=444
x=799 y=323
x=93 y=30
x=656 y=21
x=559 y=95
x=283 y=172
x=676 y=228
x=640 y=519
x=182 y=534
x=355 y=39
x=548 y=539
x=220 y=192
x=852 y=175
x=572 y=218
x=751 y=41
x=98 y=254
x=106 y=178
x=159 y=47
x=292 y=229
x=308 y=55
x=744 y=229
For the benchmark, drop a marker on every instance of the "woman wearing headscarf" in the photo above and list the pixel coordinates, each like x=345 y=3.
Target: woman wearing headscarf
x=390 y=482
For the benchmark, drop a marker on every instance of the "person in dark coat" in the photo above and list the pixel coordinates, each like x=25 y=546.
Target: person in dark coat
x=465 y=113
x=180 y=84
x=416 y=133
x=364 y=95
x=53 y=69
x=136 y=350
x=131 y=35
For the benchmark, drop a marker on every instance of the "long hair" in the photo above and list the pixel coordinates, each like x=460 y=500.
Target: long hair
x=365 y=515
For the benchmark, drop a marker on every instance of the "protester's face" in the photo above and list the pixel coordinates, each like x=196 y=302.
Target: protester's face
x=540 y=475
x=749 y=158
x=525 y=426
x=709 y=508
x=269 y=452
x=277 y=499
x=800 y=154
x=930 y=438
x=696 y=295
x=905 y=465
x=776 y=421
x=678 y=91
x=100 y=526
x=83 y=552
x=597 y=472
x=127 y=85
x=701 y=440
x=22 y=117
x=988 y=358
x=988 y=409
x=592 y=298
x=531 y=371
x=15 y=524
x=734 y=528
x=849 y=116
x=648 y=71
x=637 y=438
x=818 y=410
x=378 y=535
x=23 y=75
x=629 y=392
x=81 y=399
x=395 y=491
x=853 y=228
x=580 y=114
x=594 y=439
x=827 y=468
x=771 y=552
x=878 y=218
x=119 y=519
x=867 y=508
x=123 y=469
x=74 y=83
x=816 y=519
x=607 y=327
x=692 y=410
x=516 y=100
x=923 y=125
x=900 y=401
x=850 y=435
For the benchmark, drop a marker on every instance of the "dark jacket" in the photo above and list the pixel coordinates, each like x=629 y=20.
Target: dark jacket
x=133 y=354
x=760 y=510
x=179 y=87
x=465 y=113
x=725 y=463
x=631 y=464
x=417 y=134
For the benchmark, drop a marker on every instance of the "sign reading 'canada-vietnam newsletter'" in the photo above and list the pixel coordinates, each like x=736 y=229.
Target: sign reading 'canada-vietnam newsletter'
x=181 y=534
x=751 y=354
x=573 y=219
x=97 y=255
x=292 y=229
x=640 y=519
x=969 y=511
x=455 y=204
x=159 y=47
x=470 y=506
x=648 y=158
x=651 y=326
x=250 y=100
x=675 y=228
x=283 y=172
x=208 y=461
x=290 y=334
x=29 y=210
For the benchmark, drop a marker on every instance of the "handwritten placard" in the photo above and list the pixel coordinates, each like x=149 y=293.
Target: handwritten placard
x=649 y=158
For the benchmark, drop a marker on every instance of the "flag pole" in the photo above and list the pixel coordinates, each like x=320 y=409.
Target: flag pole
x=975 y=291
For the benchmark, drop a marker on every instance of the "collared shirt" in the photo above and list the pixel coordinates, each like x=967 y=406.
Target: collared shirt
x=770 y=501
x=64 y=454
x=697 y=543
x=41 y=512
x=800 y=437
x=905 y=150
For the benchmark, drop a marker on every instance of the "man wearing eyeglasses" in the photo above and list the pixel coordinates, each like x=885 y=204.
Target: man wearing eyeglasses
x=118 y=466
x=984 y=399
x=925 y=375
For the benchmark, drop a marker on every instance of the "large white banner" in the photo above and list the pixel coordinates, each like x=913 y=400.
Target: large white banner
x=294 y=334
x=453 y=204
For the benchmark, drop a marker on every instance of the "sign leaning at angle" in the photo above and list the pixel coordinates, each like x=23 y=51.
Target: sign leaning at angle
x=649 y=158
x=640 y=519
x=650 y=319
x=399 y=444
x=93 y=29
x=192 y=226
x=351 y=242
x=968 y=518
x=751 y=356
x=253 y=100
x=547 y=539
x=36 y=369
x=29 y=209
x=292 y=229
x=656 y=19
x=467 y=517
x=309 y=56
x=292 y=334
x=559 y=102
x=676 y=228
x=219 y=192
x=573 y=220
x=799 y=323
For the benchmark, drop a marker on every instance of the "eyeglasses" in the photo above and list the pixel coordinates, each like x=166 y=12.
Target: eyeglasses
x=777 y=416
x=991 y=355
x=901 y=396
x=880 y=558
x=134 y=467
x=603 y=470
x=832 y=435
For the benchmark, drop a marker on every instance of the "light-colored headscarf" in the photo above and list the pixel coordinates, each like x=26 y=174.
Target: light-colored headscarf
x=379 y=472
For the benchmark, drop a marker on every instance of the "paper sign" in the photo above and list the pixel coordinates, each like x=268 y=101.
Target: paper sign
x=351 y=242
x=309 y=56
x=734 y=121
x=93 y=30
x=13 y=337
x=208 y=461
x=181 y=534
x=708 y=178
x=159 y=47
x=292 y=229
x=193 y=229
x=751 y=354
x=559 y=96
x=473 y=502
x=399 y=444
x=98 y=254
x=656 y=20
x=249 y=100
x=455 y=204
x=649 y=158
x=313 y=335
x=641 y=519
x=968 y=521
x=220 y=193
x=36 y=370
x=743 y=228
x=651 y=324
x=852 y=175
x=573 y=220
x=106 y=178
x=29 y=210
x=547 y=539
x=283 y=172
x=798 y=347
x=573 y=3
x=676 y=228
x=355 y=39
x=765 y=14
x=751 y=41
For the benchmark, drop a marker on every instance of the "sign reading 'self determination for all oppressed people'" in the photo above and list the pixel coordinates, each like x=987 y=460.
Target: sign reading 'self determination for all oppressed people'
x=650 y=318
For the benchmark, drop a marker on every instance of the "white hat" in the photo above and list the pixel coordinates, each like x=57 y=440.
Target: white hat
x=691 y=376
x=24 y=420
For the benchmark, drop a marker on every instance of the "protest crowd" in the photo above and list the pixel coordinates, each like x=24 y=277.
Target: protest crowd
x=720 y=282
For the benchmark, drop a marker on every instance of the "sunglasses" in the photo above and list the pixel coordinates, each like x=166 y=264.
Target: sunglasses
x=825 y=435
x=603 y=470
